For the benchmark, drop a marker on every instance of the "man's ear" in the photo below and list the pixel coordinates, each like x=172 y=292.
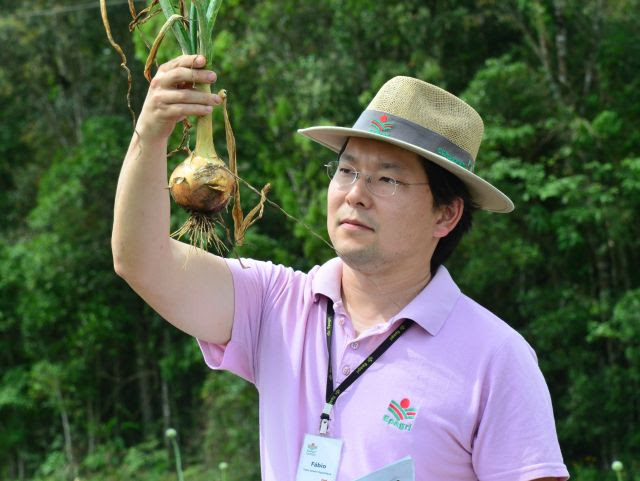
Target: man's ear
x=448 y=217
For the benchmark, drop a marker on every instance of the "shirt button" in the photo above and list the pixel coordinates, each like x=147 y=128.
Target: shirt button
x=354 y=345
x=346 y=370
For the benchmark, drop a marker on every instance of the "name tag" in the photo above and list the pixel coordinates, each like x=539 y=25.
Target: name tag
x=319 y=458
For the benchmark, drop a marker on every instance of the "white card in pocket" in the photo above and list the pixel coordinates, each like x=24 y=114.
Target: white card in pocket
x=401 y=470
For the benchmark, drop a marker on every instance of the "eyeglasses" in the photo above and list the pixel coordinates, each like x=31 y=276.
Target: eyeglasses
x=345 y=175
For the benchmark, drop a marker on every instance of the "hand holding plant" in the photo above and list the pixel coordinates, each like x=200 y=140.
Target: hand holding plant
x=202 y=184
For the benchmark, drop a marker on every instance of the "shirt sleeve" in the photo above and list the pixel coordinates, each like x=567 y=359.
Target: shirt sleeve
x=516 y=437
x=252 y=282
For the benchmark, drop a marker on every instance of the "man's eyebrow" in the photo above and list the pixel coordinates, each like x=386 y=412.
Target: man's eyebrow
x=385 y=164
x=381 y=164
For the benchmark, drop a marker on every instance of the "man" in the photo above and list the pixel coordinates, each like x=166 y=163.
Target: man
x=376 y=355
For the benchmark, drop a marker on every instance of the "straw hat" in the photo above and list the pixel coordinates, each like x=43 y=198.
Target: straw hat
x=429 y=121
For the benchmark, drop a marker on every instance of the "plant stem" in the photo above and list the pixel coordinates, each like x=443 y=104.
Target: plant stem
x=176 y=452
x=204 y=130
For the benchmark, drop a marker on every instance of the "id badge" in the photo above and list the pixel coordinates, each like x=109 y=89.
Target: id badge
x=319 y=458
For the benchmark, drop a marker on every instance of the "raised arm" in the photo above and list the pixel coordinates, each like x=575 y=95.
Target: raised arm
x=190 y=288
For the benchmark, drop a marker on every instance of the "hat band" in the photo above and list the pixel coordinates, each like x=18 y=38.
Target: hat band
x=389 y=125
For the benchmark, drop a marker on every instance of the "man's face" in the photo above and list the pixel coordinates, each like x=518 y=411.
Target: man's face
x=370 y=232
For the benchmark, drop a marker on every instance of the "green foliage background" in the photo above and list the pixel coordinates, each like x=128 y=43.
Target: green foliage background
x=90 y=377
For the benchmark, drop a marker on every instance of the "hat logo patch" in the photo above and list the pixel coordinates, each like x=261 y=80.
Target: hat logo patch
x=381 y=126
x=445 y=153
x=400 y=414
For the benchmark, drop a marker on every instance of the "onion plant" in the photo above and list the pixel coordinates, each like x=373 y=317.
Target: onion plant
x=202 y=184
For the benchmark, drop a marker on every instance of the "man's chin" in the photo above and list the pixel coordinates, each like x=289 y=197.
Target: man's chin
x=358 y=258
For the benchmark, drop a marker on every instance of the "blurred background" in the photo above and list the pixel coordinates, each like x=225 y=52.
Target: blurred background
x=90 y=377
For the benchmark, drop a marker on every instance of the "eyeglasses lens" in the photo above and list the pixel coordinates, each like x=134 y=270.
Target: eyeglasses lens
x=345 y=176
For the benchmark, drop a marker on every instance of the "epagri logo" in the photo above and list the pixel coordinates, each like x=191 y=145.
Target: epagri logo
x=381 y=126
x=400 y=414
x=312 y=449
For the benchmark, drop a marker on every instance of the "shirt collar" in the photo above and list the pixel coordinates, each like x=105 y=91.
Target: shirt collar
x=433 y=304
x=328 y=280
x=430 y=308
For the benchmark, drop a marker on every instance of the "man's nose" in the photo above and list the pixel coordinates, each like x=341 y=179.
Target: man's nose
x=358 y=192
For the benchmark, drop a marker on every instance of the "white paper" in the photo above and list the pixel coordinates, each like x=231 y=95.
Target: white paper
x=401 y=470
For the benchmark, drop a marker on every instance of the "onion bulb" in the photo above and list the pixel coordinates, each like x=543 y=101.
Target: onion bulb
x=202 y=184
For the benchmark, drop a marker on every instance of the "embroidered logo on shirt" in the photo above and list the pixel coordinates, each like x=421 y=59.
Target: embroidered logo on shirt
x=400 y=413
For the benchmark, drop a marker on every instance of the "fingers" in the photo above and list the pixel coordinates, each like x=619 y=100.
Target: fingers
x=174 y=82
x=171 y=96
x=168 y=104
x=173 y=102
x=171 y=78
x=182 y=111
x=189 y=96
x=191 y=61
x=182 y=72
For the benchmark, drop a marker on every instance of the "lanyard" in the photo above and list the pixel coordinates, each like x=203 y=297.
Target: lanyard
x=332 y=394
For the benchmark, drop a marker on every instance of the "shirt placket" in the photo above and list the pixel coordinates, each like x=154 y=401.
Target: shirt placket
x=348 y=352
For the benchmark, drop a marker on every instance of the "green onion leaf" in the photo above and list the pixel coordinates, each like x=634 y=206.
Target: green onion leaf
x=204 y=37
x=193 y=27
x=178 y=28
x=212 y=13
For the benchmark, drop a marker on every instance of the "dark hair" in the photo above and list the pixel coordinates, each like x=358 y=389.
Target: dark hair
x=445 y=188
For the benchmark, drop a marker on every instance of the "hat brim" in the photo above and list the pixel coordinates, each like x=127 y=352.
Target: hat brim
x=485 y=195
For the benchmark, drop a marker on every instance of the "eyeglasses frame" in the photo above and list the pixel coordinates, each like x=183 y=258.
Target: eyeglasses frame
x=368 y=179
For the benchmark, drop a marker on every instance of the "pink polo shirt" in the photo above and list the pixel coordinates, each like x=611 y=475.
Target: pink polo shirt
x=460 y=391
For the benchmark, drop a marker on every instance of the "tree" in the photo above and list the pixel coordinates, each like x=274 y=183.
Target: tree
x=90 y=377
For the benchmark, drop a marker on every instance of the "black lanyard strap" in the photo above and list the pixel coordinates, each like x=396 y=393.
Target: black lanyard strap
x=331 y=393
